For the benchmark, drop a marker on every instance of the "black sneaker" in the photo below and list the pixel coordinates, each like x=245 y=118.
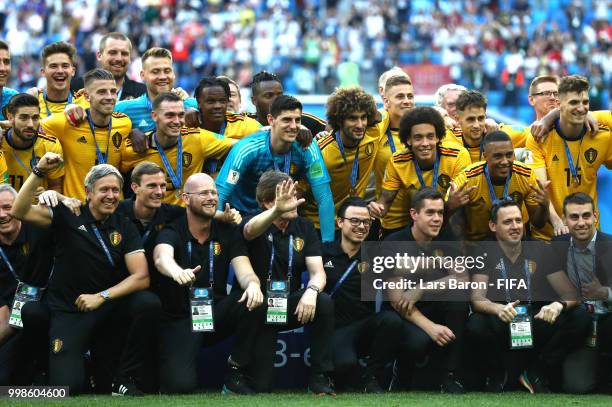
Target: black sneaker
x=372 y=385
x=496 y=383
x=320 y=384
x=126 y=388
x=534 y=383
x=237 y=382
x=452 y=385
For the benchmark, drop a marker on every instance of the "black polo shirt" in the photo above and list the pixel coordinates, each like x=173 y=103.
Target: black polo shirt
x=227 y=244
x=347 y=297
x=306 y=243
x=165 y=215
x=131 y=89
x=541 y=262
x=81 y=264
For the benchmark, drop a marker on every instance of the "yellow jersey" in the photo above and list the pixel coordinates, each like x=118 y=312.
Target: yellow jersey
x=82 y=147
x=340 y=169
x=197 y=146
x=588 y=154
x=47 y=107
x=19 y=161
x=3 y=168
x=401 y=176
x=517 y=134
x=479 y=205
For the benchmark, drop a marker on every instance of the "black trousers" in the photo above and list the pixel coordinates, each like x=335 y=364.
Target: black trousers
x=604 y=326
x=321 y=331
x=179 y=346
x=26 y=353
x=552 y=342
x=116 y=333
x=416 y=344
x=377 y=336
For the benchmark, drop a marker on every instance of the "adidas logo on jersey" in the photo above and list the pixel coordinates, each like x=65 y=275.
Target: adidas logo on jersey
x=83 y=228
x=82 y=140
x=329 y=264
x=143 y=123
x=555 y=158
x=498 y=267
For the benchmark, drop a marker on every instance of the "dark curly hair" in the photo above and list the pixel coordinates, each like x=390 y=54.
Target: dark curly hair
x=420 y=115
x=347 y=100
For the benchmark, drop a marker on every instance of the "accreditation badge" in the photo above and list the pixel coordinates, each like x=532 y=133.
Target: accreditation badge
x=521 y=334
x=278 y=295
x=201 y=305
x=24 y=294
x=591 y=341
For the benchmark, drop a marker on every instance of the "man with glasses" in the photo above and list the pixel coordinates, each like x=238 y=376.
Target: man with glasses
x=567 y=158
x=359 y=330
x=193 y=255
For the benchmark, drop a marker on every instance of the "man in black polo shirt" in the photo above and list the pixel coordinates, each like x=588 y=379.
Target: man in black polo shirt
x=359 y=331
x=24 y=260
x=193 y=255
x=97 y=285
x=281 y=246
x=514 y=319
x=431 y=319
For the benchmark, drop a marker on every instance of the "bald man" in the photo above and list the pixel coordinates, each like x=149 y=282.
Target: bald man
x=193 y=255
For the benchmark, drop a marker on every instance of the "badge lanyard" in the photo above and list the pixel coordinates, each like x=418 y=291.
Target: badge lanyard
x=570 y=161
x=33 y=161
x=344 y=276
x=492 y=191
x=213 y=162
x=102 y=158
x=355 y=168
x=390 y=140
x=419 y=172
x=289 y=266
x=175 y=177
x=527 y=276
x=287 y=158
x=101 y=241
x=8 y=264
x=47 y=106
x=211 y=261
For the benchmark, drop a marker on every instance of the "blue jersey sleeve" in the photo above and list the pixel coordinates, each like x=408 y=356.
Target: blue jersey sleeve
x=5 y=97
x=325 y=201
x=232 y=170
x=315 y=169
x=190 y=103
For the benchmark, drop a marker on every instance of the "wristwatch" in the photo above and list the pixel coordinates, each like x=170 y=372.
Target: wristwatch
x=105 y=295
x=314 y=288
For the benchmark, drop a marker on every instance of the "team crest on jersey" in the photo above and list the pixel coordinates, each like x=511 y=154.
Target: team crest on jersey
x=216 y=248
x=531 y=266
x=363 y=267
x=590 y=155
x=25 y=248
x=298 y=244
x=517 y=197
x=369 y=148
x=187 y=158
x=444 y=181
x=115 y=238
x=117 y=139
x=56 y=345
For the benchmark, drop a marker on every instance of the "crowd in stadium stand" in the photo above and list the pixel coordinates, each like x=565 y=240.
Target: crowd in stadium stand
x=314 y=46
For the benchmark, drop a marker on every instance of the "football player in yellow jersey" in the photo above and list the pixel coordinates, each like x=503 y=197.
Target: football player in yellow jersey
x=349 y=151
x=171 y=140
x=499 y=177
x=98 y=139
x=398 y=99
x=472 y=119
x=213 y=97
x=425 y=161
x=58 y=69
x=25 y=144
x=566 y=157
